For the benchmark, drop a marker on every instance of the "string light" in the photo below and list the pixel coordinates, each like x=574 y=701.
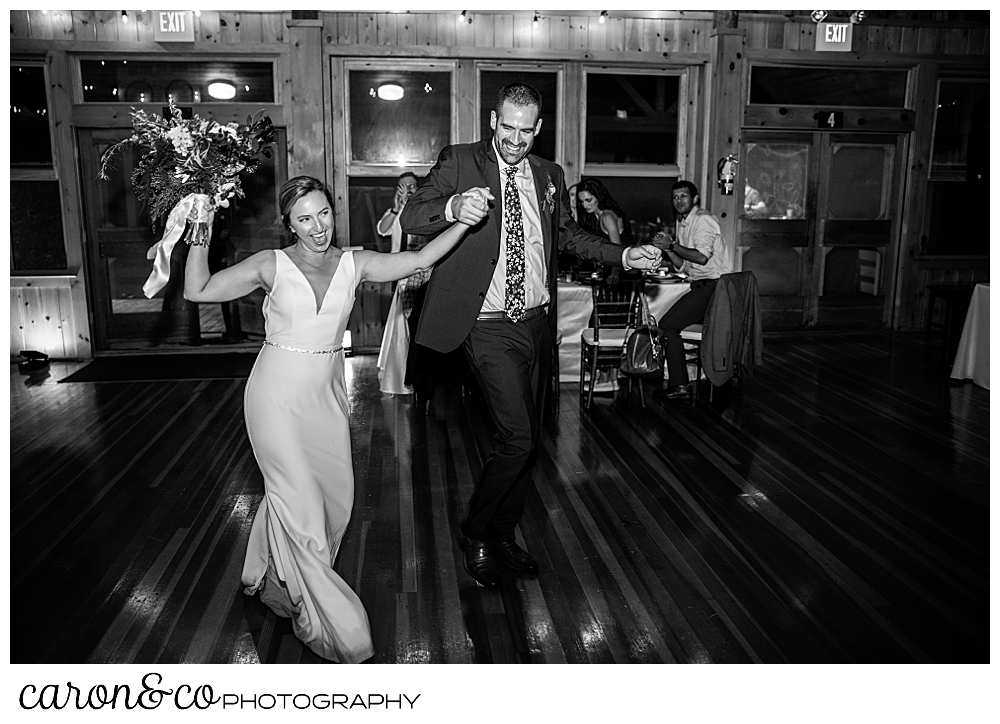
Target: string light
x=857 y=17
x=462 y=16
x=125 y=16
x=534 y=22
x=818 y=16
x=604 y=16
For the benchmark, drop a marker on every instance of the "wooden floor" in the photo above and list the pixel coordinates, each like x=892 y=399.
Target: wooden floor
x=837 y=512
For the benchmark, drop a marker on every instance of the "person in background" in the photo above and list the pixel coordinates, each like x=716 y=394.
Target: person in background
x=598 y=213
x=495 y=296
x=700 y=251
x=393 y=356
x=754 y=205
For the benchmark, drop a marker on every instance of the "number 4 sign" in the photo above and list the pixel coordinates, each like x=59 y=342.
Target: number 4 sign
x=830 y=119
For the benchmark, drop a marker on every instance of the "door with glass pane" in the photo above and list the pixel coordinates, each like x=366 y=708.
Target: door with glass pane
x=120 y=232
x=818 y=227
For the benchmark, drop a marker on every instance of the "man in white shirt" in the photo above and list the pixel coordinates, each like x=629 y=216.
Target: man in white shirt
x=700 y=251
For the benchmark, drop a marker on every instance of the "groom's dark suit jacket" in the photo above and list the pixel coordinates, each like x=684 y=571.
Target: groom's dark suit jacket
x=460 y=280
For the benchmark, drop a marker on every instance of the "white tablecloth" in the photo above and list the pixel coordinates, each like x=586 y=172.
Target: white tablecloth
x=973 y=359
x=575 y=308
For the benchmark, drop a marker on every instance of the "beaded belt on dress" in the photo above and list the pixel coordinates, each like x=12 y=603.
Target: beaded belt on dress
x=307 y=351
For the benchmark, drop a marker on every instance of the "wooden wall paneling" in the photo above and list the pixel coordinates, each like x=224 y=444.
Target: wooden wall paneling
x=385 y=28
x=597 y=34
x=927 y=41
x=908 y=40
x=978 y=41
x=540 y=36
x=272 y=27
x=728 y=70
x=62 y=24
x=347 y=28
x=614 y=38
x=559 y=33
x=652 y=31
x=208 y=26
x=574 y=104
x=775 y=34
x=892 y=36
x=406 y=30
x=756 y=33
x=337 y=172
x=956 y=41
x=306 y=132
x=60 y=77
x=908 y=306
x=367 y=29
x=128 y=32
x=17 y=341
x=20 y=25
x=84 y=29
x=446 y=27
x=483 y=30
x=634 y=36
x=144 y=26
x=671 y=31
x=579 y=32
x=792 y=36
x=106 y=25
x=39 y=24
x=691 y=37
x=522 y=30
x=466 y=102
x=465 y=33
x=251 y=27
x=426 y=25
x=503 y=31
x=229 y=27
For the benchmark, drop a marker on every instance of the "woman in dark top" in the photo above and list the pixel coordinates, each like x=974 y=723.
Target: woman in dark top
x=600 y=214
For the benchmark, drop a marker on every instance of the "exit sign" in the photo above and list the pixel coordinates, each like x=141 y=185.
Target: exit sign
x=834 y=36
x=173 y=26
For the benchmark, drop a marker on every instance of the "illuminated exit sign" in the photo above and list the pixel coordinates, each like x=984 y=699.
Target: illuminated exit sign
x=834 y=36
x=173 y=26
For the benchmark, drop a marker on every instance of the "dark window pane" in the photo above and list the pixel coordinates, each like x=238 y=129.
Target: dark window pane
x=36 y=230
x=411 y=129
x=138 y=81
x=491 y=81
x=953 y=230
x=31 y=144
x=961 y=132
x=828 y=86
x=632 y=118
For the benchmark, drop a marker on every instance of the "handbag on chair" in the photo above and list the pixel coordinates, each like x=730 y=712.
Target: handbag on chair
x=642 y=354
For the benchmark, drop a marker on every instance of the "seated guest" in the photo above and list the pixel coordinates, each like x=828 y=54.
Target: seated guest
x=700 y=251
x=600 y=214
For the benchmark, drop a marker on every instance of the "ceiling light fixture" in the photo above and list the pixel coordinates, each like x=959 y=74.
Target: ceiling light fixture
x=604 y=16
x=125 y=16
x=462 y=16
x=534 y=22
x=858 y=17
x=222 y=90
x=390 y=91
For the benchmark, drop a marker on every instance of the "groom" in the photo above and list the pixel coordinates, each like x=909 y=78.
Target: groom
x=495 y=295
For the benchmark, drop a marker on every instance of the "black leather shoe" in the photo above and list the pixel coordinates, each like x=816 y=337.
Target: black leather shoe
x=516 y=557
x=680 y=392
x=479 y=562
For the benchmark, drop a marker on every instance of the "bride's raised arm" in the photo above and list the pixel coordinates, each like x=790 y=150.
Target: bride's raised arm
x=378 y=267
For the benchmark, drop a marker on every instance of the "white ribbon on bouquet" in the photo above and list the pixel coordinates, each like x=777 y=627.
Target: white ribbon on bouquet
x=199 y=209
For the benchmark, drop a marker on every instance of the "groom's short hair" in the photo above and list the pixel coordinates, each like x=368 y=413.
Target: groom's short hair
x=519 y=94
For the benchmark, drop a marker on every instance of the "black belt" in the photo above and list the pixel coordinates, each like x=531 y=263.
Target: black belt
x=528 y=314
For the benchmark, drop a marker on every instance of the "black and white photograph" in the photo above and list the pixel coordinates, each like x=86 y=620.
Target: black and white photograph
x=468 y=336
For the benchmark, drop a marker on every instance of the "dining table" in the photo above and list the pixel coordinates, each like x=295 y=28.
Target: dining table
x=972 y=361
x=576 y=306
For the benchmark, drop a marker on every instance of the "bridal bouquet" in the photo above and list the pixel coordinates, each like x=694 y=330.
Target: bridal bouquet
x=189 y=168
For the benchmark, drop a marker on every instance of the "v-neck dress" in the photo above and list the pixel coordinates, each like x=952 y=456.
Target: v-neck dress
x=297 y=417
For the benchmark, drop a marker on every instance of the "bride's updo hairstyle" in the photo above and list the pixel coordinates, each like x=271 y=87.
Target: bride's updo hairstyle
x=291 y=191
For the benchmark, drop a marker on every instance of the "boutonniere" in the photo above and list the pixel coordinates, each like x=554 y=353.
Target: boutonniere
x=550 y=197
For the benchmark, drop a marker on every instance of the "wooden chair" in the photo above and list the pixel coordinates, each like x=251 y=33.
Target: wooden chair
x=601 y=345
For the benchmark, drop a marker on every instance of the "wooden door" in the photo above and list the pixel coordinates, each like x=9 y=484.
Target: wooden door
x=120 y=233
x=820 y=225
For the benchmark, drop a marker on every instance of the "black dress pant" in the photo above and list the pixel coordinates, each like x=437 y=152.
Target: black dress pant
x=512 y=362
x=689 y=309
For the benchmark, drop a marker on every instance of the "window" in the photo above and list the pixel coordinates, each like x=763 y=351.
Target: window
x=118 y=80
x=36 y=223
x=777 y=176
x=830 y=86
x=399 y=115
x=546 y=81
x=632 y=118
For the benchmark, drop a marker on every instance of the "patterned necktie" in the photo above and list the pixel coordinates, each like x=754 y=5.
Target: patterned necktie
x=514 y=293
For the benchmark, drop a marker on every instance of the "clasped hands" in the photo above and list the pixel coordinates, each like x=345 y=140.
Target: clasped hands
x=643 y=257
x=471 y=206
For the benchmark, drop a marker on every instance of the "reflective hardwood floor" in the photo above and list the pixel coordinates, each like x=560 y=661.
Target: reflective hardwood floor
x=836 y=511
